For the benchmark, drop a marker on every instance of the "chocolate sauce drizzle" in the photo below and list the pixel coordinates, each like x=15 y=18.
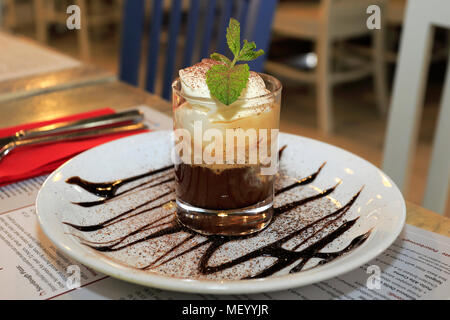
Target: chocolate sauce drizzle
x=168 y=224
x=108 y=190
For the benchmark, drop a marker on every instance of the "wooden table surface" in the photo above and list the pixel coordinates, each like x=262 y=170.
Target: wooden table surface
x=82 y=74
x=116 y=95
x=119 y=96
x=52 y=81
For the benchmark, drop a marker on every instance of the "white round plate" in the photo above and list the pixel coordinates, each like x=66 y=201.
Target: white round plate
x=379 y=206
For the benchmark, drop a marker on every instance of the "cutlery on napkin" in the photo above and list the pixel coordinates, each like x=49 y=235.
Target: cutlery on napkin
x=41 y=147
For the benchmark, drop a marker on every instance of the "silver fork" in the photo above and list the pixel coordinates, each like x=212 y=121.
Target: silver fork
x=7 y=148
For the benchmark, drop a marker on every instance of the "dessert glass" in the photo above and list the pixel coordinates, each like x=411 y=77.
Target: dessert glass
x=226 y=158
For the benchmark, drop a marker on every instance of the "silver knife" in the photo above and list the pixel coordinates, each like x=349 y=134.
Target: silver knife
x=7 y=148
x=133 y=116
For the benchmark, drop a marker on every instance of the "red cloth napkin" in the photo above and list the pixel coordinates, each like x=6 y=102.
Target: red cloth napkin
x=27 y=162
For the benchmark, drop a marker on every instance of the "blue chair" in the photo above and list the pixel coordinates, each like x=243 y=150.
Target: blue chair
x=204 y=31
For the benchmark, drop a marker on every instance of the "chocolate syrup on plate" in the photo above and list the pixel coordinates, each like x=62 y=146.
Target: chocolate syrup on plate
x=293 y=259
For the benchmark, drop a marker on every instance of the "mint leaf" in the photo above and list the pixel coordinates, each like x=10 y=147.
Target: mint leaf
x=234 y=36
x=225 y=83
x=221 y=58
x=247 y=53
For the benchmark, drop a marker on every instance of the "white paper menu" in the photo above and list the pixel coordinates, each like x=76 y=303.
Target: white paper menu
x=416 y=266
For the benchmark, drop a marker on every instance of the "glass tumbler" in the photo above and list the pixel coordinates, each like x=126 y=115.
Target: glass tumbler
x=226 y=159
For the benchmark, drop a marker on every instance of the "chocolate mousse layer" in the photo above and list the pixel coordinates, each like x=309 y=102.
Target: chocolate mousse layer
x=225 y=189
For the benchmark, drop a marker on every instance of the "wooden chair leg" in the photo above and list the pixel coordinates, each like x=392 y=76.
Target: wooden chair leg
x=1 y=15
x=324 y=87
x=10 y=17
x=380 y=71
x=83 y=33
x=41 y=20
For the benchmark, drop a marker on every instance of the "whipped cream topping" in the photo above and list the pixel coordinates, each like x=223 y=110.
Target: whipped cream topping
x=193 y=81
x=257 y=113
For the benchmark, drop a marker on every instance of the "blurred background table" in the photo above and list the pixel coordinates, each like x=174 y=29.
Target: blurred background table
x=28 y=68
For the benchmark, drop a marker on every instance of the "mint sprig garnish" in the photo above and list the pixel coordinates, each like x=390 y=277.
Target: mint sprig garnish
x=226 y=81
